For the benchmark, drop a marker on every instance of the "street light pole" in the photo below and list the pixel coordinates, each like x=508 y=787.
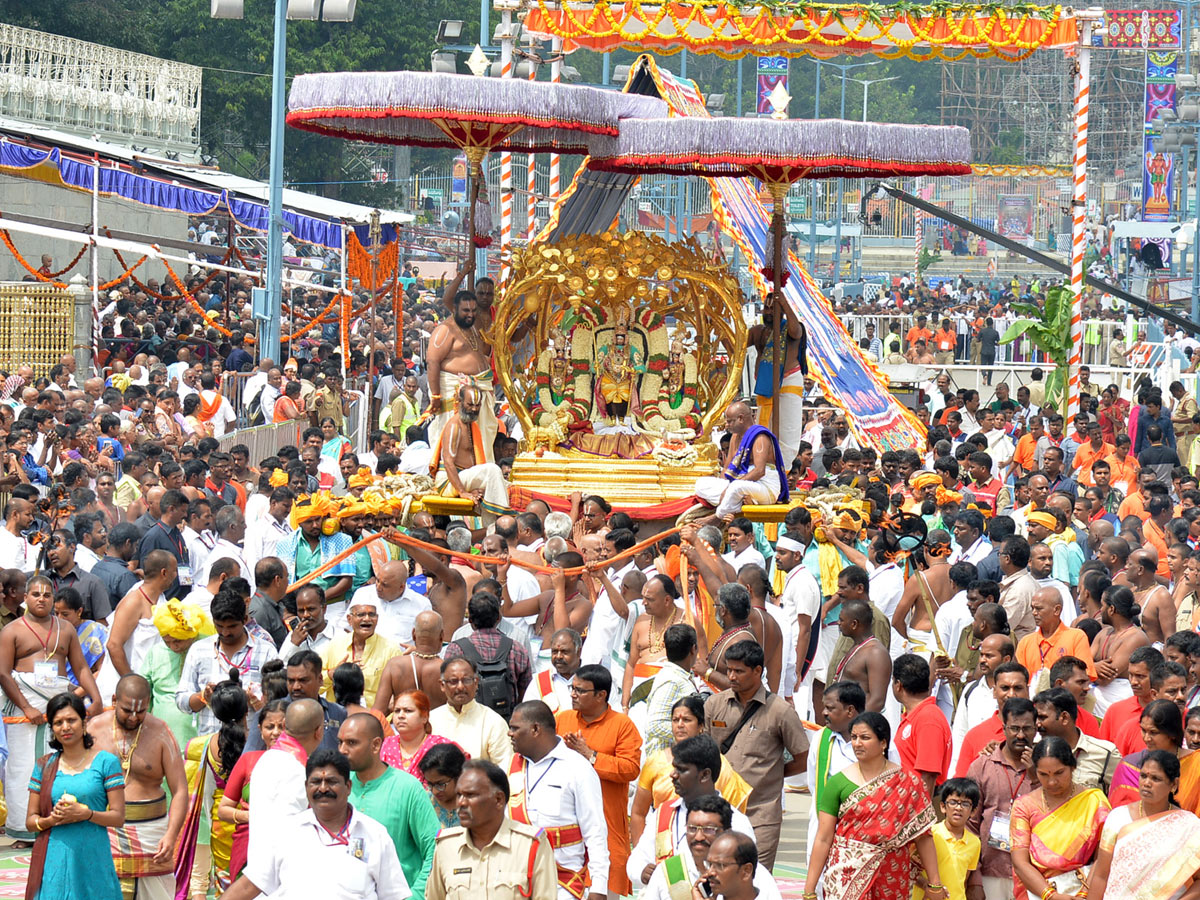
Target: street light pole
x=270 y=329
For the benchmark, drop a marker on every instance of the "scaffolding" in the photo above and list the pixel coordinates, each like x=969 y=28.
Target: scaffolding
x=1022 y=113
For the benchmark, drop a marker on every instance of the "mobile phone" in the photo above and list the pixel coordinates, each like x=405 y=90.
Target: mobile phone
x=705 y=888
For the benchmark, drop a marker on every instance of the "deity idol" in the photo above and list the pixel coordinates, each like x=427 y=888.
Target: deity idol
x=617 y=367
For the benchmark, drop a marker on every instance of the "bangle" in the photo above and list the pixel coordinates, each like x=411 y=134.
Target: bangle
x=934 y=887
x=708 y=673
x=37 y=824
x=91 y=812
x=809 y=895
x=1047 y=892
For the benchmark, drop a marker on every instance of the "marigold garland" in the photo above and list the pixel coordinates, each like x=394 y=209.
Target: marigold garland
x=792 y=28
x=61 y=285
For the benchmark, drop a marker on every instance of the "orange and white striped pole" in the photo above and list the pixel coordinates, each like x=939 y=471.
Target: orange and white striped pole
x=1078 y=213
x=506 y=185
x=556 y=47
x=531 y=180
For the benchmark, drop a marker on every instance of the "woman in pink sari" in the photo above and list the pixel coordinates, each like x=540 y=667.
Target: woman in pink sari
x=412 y=740
x=870 y=816
x=1149 y=850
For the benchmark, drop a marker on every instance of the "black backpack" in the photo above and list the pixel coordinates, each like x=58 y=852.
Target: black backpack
x=497 y=687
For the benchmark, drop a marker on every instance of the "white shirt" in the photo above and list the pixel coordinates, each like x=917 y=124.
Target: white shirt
x=801 y=596
x=303 y=861
x=747 y=556
x=278 y=785
x=1000 y=449
x=262 y=534
x=481 y=732
x=657 y=889
x=314 y=642
x=85 y=557
x=559 y=697
x=975 y=554
x=643 y=854
x=223 y=417
x=16 y=552
x=270 y=395
x=224 y=549
x=975 y=707
x=970 y=424
x=415 y=458
x=605 y=626
x=841 y=756
x=396 y=617
x=198 y=546
x=562 y=788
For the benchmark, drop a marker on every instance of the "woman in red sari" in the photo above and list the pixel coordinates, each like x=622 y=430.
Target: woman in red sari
x=407 y=747
x=868 y=816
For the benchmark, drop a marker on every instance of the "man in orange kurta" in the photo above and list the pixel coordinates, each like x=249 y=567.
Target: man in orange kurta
x=611 y=742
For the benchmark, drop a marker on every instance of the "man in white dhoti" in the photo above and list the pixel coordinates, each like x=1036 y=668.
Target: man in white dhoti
x=34 y=652
x=459 y=355
x=754 y=468
x=460 y=466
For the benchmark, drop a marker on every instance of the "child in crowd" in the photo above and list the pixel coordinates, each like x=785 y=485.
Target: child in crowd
x=957 y=848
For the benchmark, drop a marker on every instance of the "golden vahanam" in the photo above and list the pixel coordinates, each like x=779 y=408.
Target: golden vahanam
x=37 y=325
x=609 y=275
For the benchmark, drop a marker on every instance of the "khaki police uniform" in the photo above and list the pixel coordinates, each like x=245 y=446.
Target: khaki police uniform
x=518 y=864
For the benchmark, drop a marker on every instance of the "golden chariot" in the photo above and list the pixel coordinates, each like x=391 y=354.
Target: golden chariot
x=618 y=353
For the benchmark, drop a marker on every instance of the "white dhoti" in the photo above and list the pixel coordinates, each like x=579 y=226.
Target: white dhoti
x=1105 y=695
x=448 y=385
x=791 y=413
x=730 y=496
x=26 y=744
x=485 y=477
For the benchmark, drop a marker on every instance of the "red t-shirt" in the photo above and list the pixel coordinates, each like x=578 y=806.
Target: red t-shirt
x=1087 y=723
x=924 y=741
x=975 y=740
x=1118 y=716
x=1129 y=739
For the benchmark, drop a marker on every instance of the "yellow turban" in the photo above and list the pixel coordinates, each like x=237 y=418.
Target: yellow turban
x=945 y=496
x=361 y=478
x=1045 y=519
x=847 y=519
x=377 y=504
x=278 y=478
x=355 y=508
x=313 y=506
x=925 y=479
x=181 y=621
x=395 y=504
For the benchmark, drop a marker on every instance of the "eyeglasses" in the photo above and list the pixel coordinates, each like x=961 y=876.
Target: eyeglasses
x=369 y=614
x=439 y=785
x=459 y=682
x=958 y=804
x=579 y=690
x=706 y=830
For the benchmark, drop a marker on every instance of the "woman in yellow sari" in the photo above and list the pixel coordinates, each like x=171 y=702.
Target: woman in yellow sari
x=1162 y=729
x=206 y=842
x=1149 y=850
x=1055 y=830
x=654 y=787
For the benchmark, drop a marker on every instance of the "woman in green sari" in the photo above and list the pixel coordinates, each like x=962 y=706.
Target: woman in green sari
x=206 y=842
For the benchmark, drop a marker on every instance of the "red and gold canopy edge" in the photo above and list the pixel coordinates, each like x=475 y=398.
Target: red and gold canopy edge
x=817 y=29
x=777 y=151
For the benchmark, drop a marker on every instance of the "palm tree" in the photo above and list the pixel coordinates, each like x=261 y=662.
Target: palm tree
x=1049 y=329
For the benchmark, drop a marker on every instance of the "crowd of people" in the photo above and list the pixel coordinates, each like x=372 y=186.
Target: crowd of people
x=233 y=676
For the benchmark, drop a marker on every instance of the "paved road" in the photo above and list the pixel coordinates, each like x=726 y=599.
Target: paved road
x=791 y=862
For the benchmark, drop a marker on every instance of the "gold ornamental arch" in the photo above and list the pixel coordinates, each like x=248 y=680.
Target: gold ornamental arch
x=598 y=279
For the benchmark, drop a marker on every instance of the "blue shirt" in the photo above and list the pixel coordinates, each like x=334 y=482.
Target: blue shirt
x=35 y=473
x=1145 y=420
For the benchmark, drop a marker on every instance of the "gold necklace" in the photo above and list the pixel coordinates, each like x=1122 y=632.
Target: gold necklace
x=469 y=336
x=126 y=759
x=656 y=640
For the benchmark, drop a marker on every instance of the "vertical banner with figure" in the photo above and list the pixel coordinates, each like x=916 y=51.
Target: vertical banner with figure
x=1158 y=170
x=772 y=70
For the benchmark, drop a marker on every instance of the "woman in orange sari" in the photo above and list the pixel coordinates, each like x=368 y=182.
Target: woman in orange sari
x=1162 y=729
x=869 y=816
x=1055 y=830
x=1149 y=850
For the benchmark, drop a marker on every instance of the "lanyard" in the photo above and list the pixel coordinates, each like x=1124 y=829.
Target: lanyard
x=177 y=544
x=243 y=666
x=540 y=777
x=343 y=835
x=1015 y=788
x=45 y=643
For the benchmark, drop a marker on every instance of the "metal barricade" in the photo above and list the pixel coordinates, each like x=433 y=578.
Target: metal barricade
x=264 y=440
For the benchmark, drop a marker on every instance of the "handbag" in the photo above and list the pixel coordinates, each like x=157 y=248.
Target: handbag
x=37 y=863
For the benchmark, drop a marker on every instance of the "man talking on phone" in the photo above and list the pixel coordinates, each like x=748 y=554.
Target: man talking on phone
x=706 y=869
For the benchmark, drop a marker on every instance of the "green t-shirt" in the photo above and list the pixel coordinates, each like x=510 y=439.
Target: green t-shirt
x=399 y=803
x=162 y=668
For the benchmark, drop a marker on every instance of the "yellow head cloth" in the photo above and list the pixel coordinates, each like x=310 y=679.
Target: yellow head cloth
x=354 y=508
x=395 y=504
x=945 y=496
x=377 y=504
x=361 y=478
x=182 y=621
x=278 y=478
x=846 y=518
x=1045 y=519
x=925 y=479
x=313 y=506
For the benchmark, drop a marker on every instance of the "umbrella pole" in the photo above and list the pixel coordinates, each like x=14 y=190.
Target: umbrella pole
x=475 y=173
x=778 y=193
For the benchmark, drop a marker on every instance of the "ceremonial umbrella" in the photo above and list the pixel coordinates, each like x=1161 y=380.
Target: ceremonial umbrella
x=472 y=113
x=779 y=152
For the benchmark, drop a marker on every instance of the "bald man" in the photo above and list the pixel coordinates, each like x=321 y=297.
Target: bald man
x=1158 y=609
x=151 y=511
x=755 y=470
x=278 y=778
x=461 y=464
x=143 y=849
x=397 y=603
x=418 y=668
